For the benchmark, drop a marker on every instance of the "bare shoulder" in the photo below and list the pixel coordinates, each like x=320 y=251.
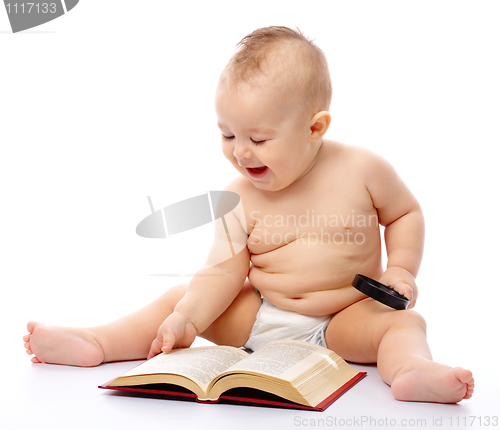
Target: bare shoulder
x=361 y=162
x=244 y=188
x=238 y=185
x=247 y=193
x=374 y=172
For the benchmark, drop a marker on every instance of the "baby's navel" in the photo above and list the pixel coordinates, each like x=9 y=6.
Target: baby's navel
x=254 y=240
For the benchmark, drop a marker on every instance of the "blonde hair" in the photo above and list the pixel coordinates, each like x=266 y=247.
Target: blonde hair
x=297 y=67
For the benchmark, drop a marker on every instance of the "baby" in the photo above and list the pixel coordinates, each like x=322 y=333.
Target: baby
x=309 y=221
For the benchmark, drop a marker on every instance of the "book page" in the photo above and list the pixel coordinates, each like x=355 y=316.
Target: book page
x=201 y=364
x=276 y=358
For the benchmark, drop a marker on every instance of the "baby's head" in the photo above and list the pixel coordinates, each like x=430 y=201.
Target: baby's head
x=283 y=61
x=272 y=102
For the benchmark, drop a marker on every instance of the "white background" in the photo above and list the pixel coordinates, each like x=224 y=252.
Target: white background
x=114 y=102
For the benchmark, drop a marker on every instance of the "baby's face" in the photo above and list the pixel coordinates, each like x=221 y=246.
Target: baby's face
x=266 y=142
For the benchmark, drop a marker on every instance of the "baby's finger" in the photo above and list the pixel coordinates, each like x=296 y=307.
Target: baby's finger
x=169 y=340
x=404 y=289
x=155 y=349
x=172 y=331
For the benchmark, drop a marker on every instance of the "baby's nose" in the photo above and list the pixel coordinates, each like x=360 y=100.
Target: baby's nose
x=242 y=151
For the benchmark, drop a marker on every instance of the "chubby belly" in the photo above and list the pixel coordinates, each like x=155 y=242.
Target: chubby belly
x=314 y=278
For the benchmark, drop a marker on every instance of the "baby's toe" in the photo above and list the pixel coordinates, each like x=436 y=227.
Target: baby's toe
x=465 y=375
x=470 y=390
x=27 y=337
x=31 y=326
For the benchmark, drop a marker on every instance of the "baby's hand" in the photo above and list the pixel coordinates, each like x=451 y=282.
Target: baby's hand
x=401 y=281
x=175 y=332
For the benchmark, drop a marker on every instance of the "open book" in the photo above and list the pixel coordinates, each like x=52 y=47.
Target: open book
x=299 y=373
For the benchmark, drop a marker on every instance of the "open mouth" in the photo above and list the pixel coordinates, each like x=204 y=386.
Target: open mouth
x=257 y=172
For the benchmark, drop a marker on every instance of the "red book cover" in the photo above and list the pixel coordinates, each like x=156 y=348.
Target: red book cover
x=242 y=396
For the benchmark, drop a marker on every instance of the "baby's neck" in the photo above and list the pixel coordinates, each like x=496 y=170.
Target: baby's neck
x=319 y=145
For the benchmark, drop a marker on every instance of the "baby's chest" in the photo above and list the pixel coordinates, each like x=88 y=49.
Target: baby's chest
x=312 y=220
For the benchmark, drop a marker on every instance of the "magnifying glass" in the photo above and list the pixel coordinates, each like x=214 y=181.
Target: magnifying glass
x=380 y=292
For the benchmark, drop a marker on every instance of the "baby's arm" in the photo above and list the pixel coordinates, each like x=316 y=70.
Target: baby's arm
x=211 y=290
x=400 y=213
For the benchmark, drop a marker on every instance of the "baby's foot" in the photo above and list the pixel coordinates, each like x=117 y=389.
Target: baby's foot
x=62 y=345
x=433 y=382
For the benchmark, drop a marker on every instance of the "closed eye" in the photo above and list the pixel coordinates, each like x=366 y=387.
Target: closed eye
x=258 y=142
x=255 y=142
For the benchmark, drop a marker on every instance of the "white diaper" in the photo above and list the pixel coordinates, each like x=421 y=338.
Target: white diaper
x=274 y=323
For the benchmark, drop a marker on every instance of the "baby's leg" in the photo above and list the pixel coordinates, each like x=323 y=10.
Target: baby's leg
x=233 y=327
x=127 y=338
x=130 y=337
x=396 y=340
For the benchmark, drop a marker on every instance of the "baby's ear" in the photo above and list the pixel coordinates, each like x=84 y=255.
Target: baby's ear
x=319 y=125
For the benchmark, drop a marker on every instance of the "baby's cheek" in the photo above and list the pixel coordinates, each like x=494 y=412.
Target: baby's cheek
x=227 y=151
